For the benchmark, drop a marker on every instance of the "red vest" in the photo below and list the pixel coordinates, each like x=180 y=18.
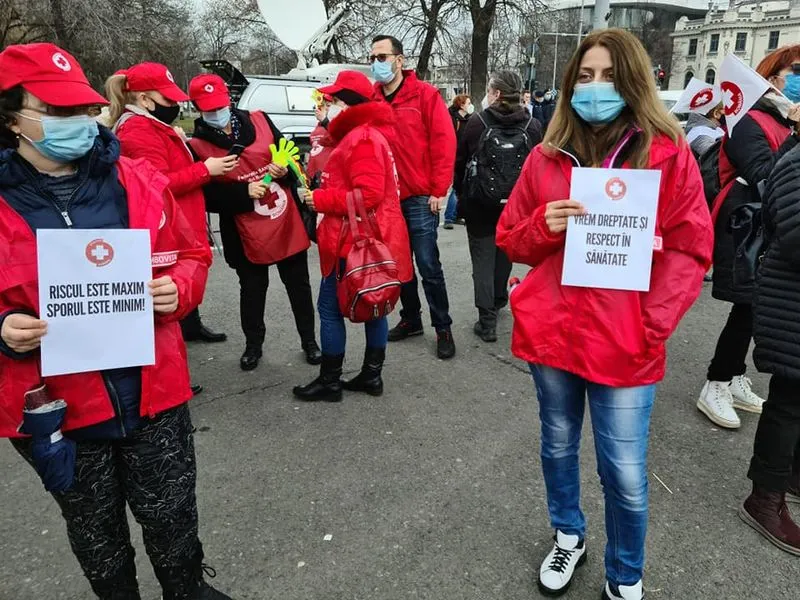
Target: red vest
x=274 y=230
x=775 y=132
x=318 y=157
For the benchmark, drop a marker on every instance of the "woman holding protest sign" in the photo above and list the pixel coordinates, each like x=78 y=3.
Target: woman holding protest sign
x=747 y=157
x=259 y=222
x=144 y=105
x=607 y=344
x=100 y=440
x=362 y=162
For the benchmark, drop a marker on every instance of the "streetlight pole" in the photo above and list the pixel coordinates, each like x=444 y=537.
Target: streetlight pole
x=601 y=9
x=555 y=59
x=580 y=24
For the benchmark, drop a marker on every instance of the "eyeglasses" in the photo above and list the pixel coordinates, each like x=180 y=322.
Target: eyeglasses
x=796 y=69
x=60 y=111
x=379 y=57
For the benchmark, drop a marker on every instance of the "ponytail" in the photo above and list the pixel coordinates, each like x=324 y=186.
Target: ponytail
x=116 y=94
x=509 y=84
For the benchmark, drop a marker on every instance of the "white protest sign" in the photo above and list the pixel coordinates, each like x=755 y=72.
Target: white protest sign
x=611 y=247
x=741 y=88
x=93 y=294
x=698 y=97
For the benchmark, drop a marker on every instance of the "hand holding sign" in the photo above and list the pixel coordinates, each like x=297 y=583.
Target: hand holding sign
x=165 y=295
x=23 y=333
x=557 y=214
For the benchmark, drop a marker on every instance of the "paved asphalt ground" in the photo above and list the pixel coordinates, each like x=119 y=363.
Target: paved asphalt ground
x=433 y=491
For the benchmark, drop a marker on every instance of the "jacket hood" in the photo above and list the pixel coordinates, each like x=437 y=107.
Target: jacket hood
x=377 y=114
x=519 y=116
x=15 y=170
x=698 y=120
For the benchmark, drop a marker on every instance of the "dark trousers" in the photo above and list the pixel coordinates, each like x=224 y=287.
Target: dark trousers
x=490 y=271
x=191 y=323
x=776 y=453
x=253 y=285
x=422 y=232
x=733 y=345
x=154 y=472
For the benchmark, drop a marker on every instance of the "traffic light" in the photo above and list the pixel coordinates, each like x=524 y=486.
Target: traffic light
x=661 y=76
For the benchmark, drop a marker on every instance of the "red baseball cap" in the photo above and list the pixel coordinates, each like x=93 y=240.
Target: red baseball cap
x=148 y=76
x=209 y=92
x=350 y=80
x=49 y=73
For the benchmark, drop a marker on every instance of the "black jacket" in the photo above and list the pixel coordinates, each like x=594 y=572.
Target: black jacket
x=480 y=221
x=776 y=326
x=543 y=112
x=459 y=120
x=750 y=154
x=229 y=199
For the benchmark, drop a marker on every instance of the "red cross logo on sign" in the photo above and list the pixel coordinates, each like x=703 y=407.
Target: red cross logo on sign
x=616 y=188
x=61 y=62
x=99 y=252
x=701 y=98
x=170 y=77
x=732 y=98
x=209 y=88
x=273 y=204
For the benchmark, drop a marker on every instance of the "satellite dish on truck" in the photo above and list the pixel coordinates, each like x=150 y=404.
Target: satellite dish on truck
x=305 y=28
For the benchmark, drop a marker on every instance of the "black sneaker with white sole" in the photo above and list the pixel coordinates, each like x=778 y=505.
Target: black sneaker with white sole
x=623 y=592
x=558 y=567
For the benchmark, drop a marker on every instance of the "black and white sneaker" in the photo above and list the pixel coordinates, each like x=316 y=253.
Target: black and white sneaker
x=623 y=592
x=555 y=574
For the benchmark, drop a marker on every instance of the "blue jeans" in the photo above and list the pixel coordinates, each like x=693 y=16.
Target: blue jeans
x=422 y=232
x=450 y=214
x=620 y=422
x=333 y=335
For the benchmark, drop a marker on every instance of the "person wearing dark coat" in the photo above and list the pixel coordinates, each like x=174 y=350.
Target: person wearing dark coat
x=542 y=109
x=460 y=111
x=490 y=266
x=748 y=156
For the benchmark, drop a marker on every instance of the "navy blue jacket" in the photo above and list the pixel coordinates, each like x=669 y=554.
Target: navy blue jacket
x=99 y=202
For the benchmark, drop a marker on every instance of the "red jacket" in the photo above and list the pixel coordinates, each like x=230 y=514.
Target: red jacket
x=425 y=142
x=143 y=136
x=609 y=337
x=176 y=253
x=361 y=159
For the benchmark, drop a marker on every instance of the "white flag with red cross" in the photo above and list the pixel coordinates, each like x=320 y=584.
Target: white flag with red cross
x=698 y=97
x=741 y=88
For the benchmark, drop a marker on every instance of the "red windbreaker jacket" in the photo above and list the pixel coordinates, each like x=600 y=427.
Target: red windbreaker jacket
x=425 y=143
x=175 y=252
x=610 y=337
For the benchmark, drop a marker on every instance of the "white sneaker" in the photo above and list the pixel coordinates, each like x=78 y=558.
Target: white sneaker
x=716 y=402
x=555 y=574
x=624 y=592
x=743 y=396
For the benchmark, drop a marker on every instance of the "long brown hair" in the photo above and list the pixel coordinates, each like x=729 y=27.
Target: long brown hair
x=633 y=79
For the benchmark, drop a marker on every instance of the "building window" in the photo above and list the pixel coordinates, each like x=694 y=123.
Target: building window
x=713 y=47
x=710 y=76
x=741 y=41
x=693 y=47
x=688 y=78
x=774 y=40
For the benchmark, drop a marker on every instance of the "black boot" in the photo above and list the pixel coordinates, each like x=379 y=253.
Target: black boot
x=186 y=582
x=328 y=386
x=369 y=380
x=312 y=352
x=123 y=586
x=486 y=327
x=193 y=330
x=250 y=358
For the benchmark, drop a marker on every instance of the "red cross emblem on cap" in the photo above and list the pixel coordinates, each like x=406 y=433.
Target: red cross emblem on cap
x=61 y=62
x=616 y=188
x=209 y=88
x=170 y=77
x=99 y=252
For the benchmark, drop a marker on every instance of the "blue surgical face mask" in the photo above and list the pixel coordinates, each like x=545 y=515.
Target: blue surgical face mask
x=382 y=71
x=65 y=139
x=218 y=118
x=597 y=103
x=792 y=88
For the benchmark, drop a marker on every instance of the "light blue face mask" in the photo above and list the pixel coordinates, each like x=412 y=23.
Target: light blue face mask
x=597 y=103
x=382 y=71
x=218 y=118
x=792 y=88
x=65 y=139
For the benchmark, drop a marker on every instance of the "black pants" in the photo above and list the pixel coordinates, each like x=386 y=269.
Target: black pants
x=776 y=453
x=732 y=345
x=153 y=470
x=191 y=323
x=490 y=271
x=253 y=285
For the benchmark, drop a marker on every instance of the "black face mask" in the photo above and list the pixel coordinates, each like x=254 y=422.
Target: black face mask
x=165 y=114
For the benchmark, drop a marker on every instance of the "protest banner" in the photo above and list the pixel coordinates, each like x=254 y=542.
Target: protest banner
x=93 y=294
x=611 y=247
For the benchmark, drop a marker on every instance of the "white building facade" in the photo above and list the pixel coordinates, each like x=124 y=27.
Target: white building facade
x=751 y=31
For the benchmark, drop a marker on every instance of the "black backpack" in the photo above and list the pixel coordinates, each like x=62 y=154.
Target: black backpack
x=709 y=171
x=494 y=169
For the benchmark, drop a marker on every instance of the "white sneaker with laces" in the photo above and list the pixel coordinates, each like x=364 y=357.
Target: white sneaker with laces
x=558 y=567
x=743 y=396
x=624 y=592
x=716 y=402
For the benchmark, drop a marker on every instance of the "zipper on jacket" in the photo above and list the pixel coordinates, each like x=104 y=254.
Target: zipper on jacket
x=114 y=396
x=46 y=193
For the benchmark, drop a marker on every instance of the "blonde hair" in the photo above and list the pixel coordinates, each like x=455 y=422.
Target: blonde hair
x=118 y=97
x=633 y=79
